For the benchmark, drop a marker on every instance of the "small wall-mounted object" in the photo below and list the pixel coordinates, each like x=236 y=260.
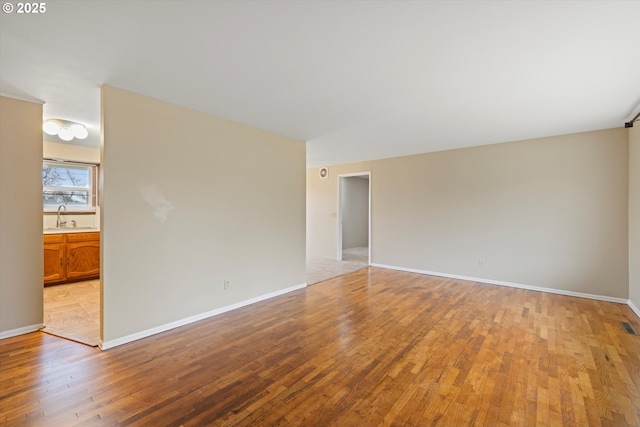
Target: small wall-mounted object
x=65 y=129
x=629 y=124
x=324 y=172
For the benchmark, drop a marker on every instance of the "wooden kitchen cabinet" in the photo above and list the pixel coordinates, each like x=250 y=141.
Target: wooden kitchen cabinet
x=71 y=257
x=54 y=258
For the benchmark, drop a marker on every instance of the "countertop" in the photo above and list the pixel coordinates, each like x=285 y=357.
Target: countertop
x=67 y=230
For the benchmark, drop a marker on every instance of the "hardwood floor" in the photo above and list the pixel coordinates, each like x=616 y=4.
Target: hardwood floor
x=374 y=347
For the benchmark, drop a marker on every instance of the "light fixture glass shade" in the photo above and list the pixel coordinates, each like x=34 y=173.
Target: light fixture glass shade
x=50 y=127
x=65 y=134
x=65 y=129
x=79 y=131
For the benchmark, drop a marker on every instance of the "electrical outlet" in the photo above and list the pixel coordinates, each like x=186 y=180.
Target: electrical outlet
x=227 y=285
x=481 y=262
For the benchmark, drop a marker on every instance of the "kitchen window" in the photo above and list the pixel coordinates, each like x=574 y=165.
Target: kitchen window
x=71 y=184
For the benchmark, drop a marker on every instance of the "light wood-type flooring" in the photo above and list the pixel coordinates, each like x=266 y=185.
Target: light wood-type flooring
x=321 y=269
x=72 y=311
x=374 y=347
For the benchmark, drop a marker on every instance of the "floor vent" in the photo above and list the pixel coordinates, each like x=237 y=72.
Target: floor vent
x=628 y=328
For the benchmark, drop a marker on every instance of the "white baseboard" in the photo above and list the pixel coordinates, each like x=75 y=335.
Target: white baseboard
x=634 y=308
x=509 y=284
x=104 y=345
x=20 y=331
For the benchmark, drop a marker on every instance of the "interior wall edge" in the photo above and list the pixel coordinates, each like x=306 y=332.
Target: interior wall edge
x=183 y=231
x=20 y=331
x=634 y=217
x=21 y=251
x=633 y=307
x=508 y=284
x=105 y=345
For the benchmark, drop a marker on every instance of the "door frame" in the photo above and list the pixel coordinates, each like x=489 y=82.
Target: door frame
x=340 y=190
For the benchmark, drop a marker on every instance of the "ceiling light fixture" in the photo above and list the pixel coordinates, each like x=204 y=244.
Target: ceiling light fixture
x=65 y=129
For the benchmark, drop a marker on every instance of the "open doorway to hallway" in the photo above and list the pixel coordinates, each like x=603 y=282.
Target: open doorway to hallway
x=354 y=231
x=354 y=221
x=338 y=223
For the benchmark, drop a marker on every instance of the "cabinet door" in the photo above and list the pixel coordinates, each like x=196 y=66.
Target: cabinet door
x=53 y=262
x=83 y=260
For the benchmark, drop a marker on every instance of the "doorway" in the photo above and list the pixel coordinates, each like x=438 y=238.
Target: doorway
x=72 y=242
x=354 y=221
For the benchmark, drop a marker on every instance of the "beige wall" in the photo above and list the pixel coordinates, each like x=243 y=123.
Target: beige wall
x=634 y=215
x=189 y=201
x=21 y=256
x=355 y=212
x=549 y=212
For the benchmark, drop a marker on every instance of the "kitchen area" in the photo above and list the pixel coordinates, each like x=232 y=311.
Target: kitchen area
x=71 y=241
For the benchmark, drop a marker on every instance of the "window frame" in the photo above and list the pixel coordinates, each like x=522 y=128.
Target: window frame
x=92 y=188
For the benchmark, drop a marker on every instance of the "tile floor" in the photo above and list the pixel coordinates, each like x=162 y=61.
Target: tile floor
x=360 y=254
x=72 y=311
x=321 y=269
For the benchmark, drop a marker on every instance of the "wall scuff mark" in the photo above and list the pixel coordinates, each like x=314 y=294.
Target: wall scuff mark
x=160 y=206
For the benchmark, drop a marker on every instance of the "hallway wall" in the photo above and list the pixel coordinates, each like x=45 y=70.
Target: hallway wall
x=355 y=212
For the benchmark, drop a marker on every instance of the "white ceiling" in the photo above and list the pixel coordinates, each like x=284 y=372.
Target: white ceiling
x=357 y=80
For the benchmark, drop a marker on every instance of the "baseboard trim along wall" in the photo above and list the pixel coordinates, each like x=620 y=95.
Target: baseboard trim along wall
x=511 y=285
x=635 y=309
x=104 y=345
x=20 y=331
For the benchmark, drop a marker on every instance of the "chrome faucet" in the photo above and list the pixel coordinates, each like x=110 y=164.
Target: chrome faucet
x=61 y=222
